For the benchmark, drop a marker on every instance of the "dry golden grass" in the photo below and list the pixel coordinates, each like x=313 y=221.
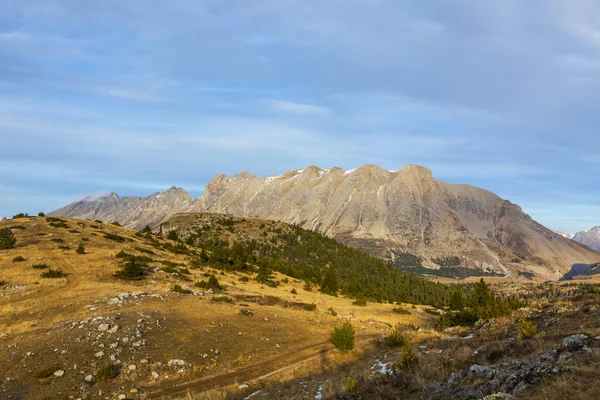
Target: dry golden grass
x=288 y=340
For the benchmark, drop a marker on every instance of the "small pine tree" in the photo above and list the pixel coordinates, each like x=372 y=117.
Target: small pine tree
x=80 y=249
x=408 y=360
x=7 y=239
x=330 y=285
x=132 y=270
x=308 y=286
x=458 y=301
x=264 y=274
x=343 y=337
x=147 y=229
x=526 y=329
x=41 y=214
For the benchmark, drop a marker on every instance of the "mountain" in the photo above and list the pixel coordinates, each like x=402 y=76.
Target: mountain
x=134 y=212
x=390 y=214
x=589 y=238
x=567 y=235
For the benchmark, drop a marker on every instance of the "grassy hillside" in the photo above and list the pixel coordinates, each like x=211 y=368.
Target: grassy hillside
x=110 y=302
x=245 y=244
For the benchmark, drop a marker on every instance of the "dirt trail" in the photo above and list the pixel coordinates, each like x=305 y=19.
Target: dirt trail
x=254 y=372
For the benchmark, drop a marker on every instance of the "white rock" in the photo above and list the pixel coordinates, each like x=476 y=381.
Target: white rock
x=122 y=397
x=154 y=374
x=478 y=369
x=113 y=329
x=89 y=378
x=103 y=327
x=176 y=363
x=59 y=373
x=99 y=354
x=132 y=367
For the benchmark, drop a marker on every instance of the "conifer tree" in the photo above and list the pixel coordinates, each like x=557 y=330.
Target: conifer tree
x=7 y=239
x=330 y=285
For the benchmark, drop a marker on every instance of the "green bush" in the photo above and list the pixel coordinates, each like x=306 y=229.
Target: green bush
x=173 y=236
x=107 y=372
x=396 y=338
x=343 y=337
x=115 y=223
x=408 y=360
x=57 y=222
x=212 y=283
x=19 y=259
x=308 y=286
x=401 y=311
x=294 y=291
x=20 y=215
x=53 y=273
x=133 y=269
x=80 y=249
x=40 y=266
x=7 y=239
x=116 y=238
x=462 y=318
x=41 y=214
x=57 y=240
x=350 y=385
x=360 y=302
x=179 y=289
x=526 y=329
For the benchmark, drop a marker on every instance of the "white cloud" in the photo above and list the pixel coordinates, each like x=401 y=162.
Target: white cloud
x=297 y=108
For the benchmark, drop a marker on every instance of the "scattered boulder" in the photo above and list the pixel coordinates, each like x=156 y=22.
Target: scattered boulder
x=574 y=342
x=103 y=327
x=499 y=396
x=59 y=373
x=478 y=369
x=89 y=378
x=176 y=363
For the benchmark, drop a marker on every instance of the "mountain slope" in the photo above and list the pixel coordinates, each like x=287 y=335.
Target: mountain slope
x=133 y=212
x=589 y=238
x=386 y=213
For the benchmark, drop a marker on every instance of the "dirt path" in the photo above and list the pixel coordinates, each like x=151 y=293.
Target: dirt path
x=259 y=371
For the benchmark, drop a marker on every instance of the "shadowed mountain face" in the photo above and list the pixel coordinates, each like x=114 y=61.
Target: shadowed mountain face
x=383 y=212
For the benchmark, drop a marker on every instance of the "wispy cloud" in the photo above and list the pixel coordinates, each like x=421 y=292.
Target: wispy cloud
x=296 y=108
x=120 y=96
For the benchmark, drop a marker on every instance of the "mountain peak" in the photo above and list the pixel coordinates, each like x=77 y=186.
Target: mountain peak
x=416 y=169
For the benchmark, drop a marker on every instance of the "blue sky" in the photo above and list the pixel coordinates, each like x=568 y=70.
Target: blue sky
x=136 y=96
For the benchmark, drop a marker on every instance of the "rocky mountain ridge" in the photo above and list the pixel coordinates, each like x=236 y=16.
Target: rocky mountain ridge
x=589 y=238
x=386 y=213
